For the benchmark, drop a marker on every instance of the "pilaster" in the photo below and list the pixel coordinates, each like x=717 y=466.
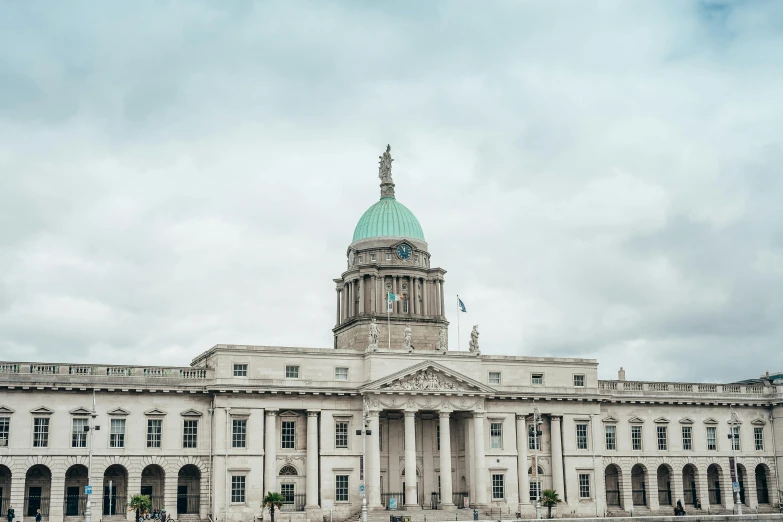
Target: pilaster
x=374 y=462
x=270 y=451
x=479 y=461
x=446 y=502
x=311 y=486
x=557 y=456
x=523 y=480
x=411 y=499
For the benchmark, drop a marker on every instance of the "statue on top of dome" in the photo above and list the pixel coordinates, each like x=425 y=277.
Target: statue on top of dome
x=384 y=170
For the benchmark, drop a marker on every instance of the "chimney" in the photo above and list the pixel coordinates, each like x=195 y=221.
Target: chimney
x=621 y=374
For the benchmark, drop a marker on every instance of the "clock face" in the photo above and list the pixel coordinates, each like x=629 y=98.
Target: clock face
x=350 y=258
x=404 y=251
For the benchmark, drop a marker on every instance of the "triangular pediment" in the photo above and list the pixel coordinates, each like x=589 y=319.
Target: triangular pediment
x=686 y=420
x=661 y=420
x=288 y=414
x=81 y=410
x=636 y=420
x=119 y=411
x=610 y=420
x=42 y=410
x=191 y=413
x=155 y=412
x=6 y=410
x=710 y=421
x=428 y=376
x=758 y=422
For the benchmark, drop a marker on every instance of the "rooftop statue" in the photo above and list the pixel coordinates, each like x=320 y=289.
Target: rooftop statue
x=474 y=345
x=384 y=170
x=373 y=335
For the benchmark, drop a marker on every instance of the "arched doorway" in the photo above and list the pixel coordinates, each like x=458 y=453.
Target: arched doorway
x=762 y=493
x=5 y=489
x=714 y=480
x=152 y=484
x=115 y=491
x=37 y=487
x=639 y=485
x=188 y=490
x=612 y=479
x=75 y=500
x=664 y=485
x=537 y=484
x=689 y=485
x=742 y=476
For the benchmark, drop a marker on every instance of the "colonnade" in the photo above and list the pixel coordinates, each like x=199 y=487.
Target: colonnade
x=366 y=294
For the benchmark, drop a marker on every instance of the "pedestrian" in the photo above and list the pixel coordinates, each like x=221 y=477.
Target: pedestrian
x=38 y=516
x=678 y=510
x=163 y=515
x=11 y=514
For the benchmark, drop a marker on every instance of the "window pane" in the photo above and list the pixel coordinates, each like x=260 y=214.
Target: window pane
x=287 y=492
x=537 y=378
x=611 y=437
x=535 y=489
x=758 y=437
x=240 y=370
x=238 y=433
x=494 y=377
x=154 y=431
x=79 y=435
x=292 y=372
x=288 y=435
x=579 y=380
x=341 y=488
x=117 y=435
x=735 y=440
x=584 y=485
x=341 y=374
x=663 y=442
x=41 y=432
x=437 y=436
x=636 y=438
x=496 y=435
x=498 y=487
x=190 y=434
x=533 y=441
x=687 y=441
x=5 y=425
x=712 y=442
x=581 y=436
x=341 y=435
x=237 y=489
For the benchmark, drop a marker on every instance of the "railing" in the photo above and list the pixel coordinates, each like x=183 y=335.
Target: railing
x=732 y=388
x=113 y=371
x=385 y=497
x=613 y=497
x=193 y=374
x=633 y=386
x=157 y=372
x=668 y=387
x=708 y=388
x=683 y=388
x=665 y=497
x=715 y=497
x=607 y=385
x=459 y=498
x=294 y=502
x=44 y=369
x=74 y=505
x=658 y=386
x=9 y=368
x=33 y=503
x=188 y=504
x=82 y=370
x=754 y=389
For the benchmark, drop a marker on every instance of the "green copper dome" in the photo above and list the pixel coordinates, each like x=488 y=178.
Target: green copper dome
x=388 y=218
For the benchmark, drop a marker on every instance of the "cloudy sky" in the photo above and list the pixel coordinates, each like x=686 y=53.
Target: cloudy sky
x=599 y=179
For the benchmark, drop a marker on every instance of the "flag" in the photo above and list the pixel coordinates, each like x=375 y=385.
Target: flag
x=390 y=298
x=395 y=297
x=461 y=305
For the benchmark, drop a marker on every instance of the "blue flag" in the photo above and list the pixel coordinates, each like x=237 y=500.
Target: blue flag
x=461 y=305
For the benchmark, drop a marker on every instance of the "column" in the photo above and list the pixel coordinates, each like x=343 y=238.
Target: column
x=467 y=426
x=396 y=307
x=678 y=486
x=424 y=301
x=170 y=481
x=338 y=307
x=442 y=302
x=557 y=457
x=344 y=303
x=414 y=296
x=626 y=488
x=751 y=497
x=373 y=299
x=479 y=461
x=411 y=500
x=373 y=478
x=133 y=488
x=311 y=486
x=523 y=481
x=361 y=295
x=270 y=451
x=411 y=289
x=446 y=502
x=57 y=494
x=704 y=492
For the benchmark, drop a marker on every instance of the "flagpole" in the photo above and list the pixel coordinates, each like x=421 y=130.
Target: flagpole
x=458 y=311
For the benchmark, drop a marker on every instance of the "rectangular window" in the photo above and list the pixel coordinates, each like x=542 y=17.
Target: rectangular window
x=611 y=437
x=288 y=435
x=117 y=433
x=5 y=427
x=341 y=435
x=154 y=432
x=498 y=487
x=388 y=257
x=341 y=374
x=341 y=488
x=287 y=491
x=581 y=436
x=372 y=258
x=380 y=437
x=238 y=433
x=535 y=489
x=437 y=436
x=496 y=435
x=537 y=378
x=663 y=438
x=190 y=434
x=579 y=380
x=735 y=440
x=584 y=485
x=292 y=372
x=494 y=377
x=533 y=441
x=758 y=438
x=237 y=489
x=712 y=438
x=687 y=438
x=79 y=433
x=361 y=259
x=41 y=432
x=240 y=370
x=636 y=438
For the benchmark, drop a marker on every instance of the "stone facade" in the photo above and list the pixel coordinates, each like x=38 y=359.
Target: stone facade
x=208 y=440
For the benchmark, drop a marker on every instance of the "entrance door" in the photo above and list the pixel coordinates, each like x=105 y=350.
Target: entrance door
x=72 y=501
x=110 y=500
x=33 y=500
x=182 y=500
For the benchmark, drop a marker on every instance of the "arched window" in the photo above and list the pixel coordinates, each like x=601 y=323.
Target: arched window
x=288 y=470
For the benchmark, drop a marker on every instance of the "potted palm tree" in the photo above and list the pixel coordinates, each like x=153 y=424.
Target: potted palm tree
x=272 y=501
x=549 y=498
x=140 y=504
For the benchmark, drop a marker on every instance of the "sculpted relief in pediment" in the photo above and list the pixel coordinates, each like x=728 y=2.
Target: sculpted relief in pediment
x=426 y=379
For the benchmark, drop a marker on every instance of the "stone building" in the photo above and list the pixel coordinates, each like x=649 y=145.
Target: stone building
x=444 y=429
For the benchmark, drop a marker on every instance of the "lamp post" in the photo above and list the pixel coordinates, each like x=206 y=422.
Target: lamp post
x=535 y=430
x=734 y=423
x=364 y=432
x=91 y=428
